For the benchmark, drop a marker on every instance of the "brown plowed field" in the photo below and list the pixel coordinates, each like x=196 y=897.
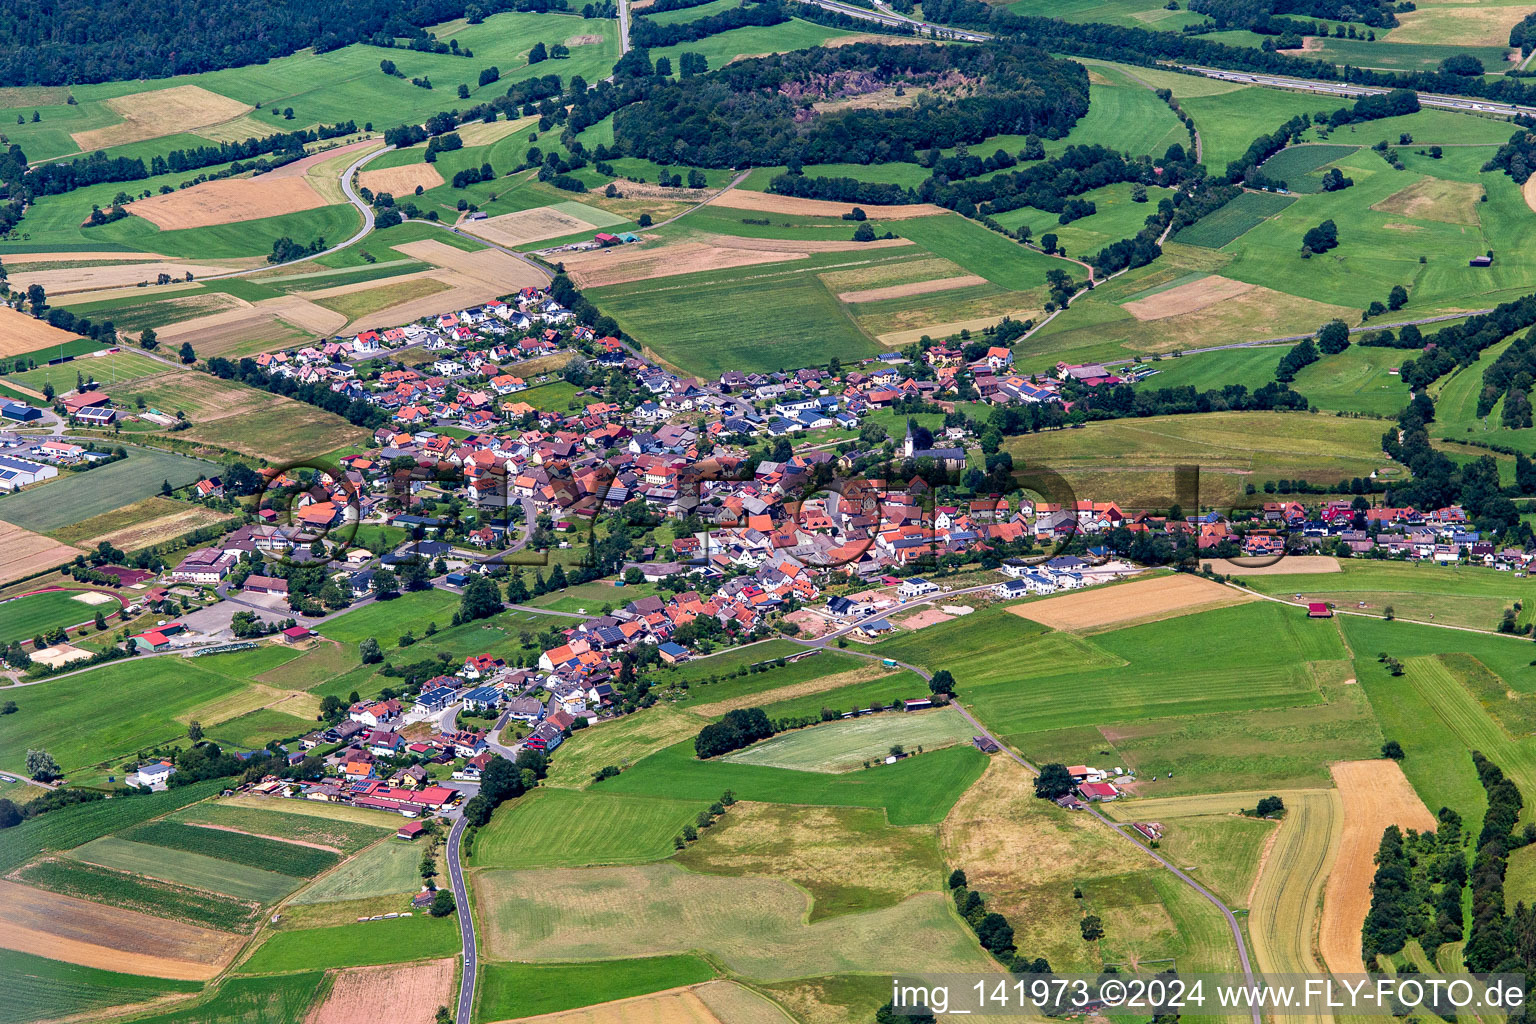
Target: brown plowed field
x=228 y=201
x=738 y=199
x=415 y=991
x=524 y=226
x=1287 y=566
x=1142 y=600
x=633 y=263
x=82 y=279
x=1376 y=794
x=94 y=935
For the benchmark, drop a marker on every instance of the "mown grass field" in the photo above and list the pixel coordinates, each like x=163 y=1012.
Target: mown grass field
x=848 y=858
x=620 y=743
x=361 y=944
x=855 y=742
x=918 y=790
x=72 y=497
x=1457 y=595
x=346 y=836
x=61 y=716
x=1283 y=915
x=509 y=990
x=1135 y=459
x=37 y=988
x=390 y=867
x=386 y=620
x=753 y=925
x=563 y=828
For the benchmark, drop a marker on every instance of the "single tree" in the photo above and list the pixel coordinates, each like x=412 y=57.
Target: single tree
x=1054 y=781
x=194 y=730
x=186 y=354
x=1392 y=749
x=442 y=903
x=42 y=767
x=369 y=651
x=1092 y=928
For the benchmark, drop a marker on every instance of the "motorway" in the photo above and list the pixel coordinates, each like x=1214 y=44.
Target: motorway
x=1468 y=104
x=886 y=16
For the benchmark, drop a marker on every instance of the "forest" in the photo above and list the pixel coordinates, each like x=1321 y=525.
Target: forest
x=62 y=42
x=754 y=111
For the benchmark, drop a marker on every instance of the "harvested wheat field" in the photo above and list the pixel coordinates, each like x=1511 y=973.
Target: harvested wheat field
x=227 y=201
x=149 y=115
x=1290 y=565
x=524 y=226
x=1187 y=298
x=737 y=199
x=487 y=266
x=1375 y=794
x=675 y=1006
x=400 y=181
x=1282 y=906
x=217 y=331
x=84 y=279
x=633 y=263
x=482 y=134
x=1140 y=601
x=415 y=993
x=23 y=552
x=94 y=935
x=901 y=291
x=21 y=333
x=160 y=529
x=14 y=260
x=910 y=335
x=1449 y=202
x=822 y=684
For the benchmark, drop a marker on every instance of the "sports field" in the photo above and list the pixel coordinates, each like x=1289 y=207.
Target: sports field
x=853 y=743
x=43 y=612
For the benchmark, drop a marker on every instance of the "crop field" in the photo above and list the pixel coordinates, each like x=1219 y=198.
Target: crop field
x=1136 y=601
x=250 y=1001
x=98 y=935
x=1222 y=851
x=1298 y=167
x=183 y=868
x=563 y=828
x=388 y=868
x=144 y=895
x=852 y=743
x=847 y=858
x=620 y=742
x=73 y=826
x=330 y=814
x=236 y=847
x=1460 y=712
x=26 y=617
x=1132 y=461
x=345 y=836
x=1374 y=795
x=76 y=496
x=753 y=925
x=415 y=993
x=1233 y=220
x=38 y=989
x=1282 y=917
x=360 y=944
x=60 y=717
x=513 y=990
x=23 y=552
x=139 y=525
x=918 y=790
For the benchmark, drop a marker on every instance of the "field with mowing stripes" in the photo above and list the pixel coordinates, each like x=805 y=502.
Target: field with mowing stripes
x=563 y=828
x=1282 y=919
x=250 y=1001
x=389 y=867
x=855 y=742
x=1236 y=218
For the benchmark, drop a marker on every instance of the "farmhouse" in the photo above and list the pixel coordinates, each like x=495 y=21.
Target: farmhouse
x=152 y=776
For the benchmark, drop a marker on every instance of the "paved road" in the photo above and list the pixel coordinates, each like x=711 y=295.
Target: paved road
x=886 y=16
x=466 y=923
x=623 y=27
x=1470 y=104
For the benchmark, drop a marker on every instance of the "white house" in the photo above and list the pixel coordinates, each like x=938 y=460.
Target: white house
x=916 y=587
x=152 y=776
x=17 y=473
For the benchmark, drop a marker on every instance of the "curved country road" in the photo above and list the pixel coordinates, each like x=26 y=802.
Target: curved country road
x=466 y=923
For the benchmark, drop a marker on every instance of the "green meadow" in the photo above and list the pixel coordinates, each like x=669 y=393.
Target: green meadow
x=360 y=944
x=72 y=497
x=576 y=828
x=508 y=990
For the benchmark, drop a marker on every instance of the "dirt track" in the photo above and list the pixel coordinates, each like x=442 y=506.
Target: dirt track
x=1376 y=794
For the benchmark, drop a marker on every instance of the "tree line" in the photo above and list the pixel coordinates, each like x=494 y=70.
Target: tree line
x=61 y=42
x=644 y=32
